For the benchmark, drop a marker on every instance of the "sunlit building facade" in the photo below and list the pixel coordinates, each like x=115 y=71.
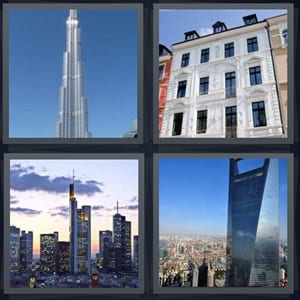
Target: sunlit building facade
x=253 y=226
x=223 y=85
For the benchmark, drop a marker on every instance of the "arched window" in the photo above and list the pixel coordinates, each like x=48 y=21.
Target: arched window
x=285 y=36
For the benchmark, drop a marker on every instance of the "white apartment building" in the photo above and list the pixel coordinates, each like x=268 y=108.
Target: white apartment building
x=223 y=85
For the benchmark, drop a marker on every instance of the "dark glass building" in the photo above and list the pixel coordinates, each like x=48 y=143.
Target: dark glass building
x=253 y=226
x=122 y=242
x=26 y=251
x=14 y=249
x=136 y=252
x=63 y=258
x=84 y=240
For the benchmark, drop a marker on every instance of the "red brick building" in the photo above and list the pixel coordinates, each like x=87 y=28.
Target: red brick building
x=165 y=60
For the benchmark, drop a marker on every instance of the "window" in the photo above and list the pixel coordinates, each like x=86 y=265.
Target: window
x=185 y=60
x=259 y=114
x=181 y=89
x=251 y=19
x=219 y=27
x=177 y=124
x=229 y=50
x=285 y=36
x=231 y=121
x=204 y=84
x=255 y=75
x=201 y=121
x=230 y=85
x=161 y=71
x=204 y=55
x=252 y=44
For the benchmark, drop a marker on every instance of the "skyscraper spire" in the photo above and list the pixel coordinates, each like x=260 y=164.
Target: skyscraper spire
x=73 y=112
x=117 y=207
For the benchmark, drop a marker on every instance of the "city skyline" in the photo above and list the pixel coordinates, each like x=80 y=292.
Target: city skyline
x=100 y=54
x=32 y=180
x=171 y=31
x=193 y=209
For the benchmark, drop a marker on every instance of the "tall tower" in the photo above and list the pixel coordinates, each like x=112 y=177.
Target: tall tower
x=73 y=229
x=80 y=236
x=72 y=113
x=253 y=226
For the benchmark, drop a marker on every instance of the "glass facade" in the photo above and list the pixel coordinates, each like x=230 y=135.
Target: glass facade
x=253 y=226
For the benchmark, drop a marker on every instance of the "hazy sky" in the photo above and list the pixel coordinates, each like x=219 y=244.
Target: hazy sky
x=193 y=194
x=39 y=192
x=37 y=41
x=173 y=23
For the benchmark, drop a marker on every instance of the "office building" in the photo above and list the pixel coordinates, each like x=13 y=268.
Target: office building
x=106 y=249
x=122 y=241
x=84 y=240
x=14 y=249
x=80 y=235
x=73 y=109
x=48 y=252
x=253 y=226
x=63 y=258
x=136 y=252
x=26 y=251
x=223 y=85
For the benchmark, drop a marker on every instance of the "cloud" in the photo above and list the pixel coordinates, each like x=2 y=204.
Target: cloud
x=59 y=211
x=13 y=200
x=205 y=31
x=24 y=179
x=134 y=199
x=25 y=211
x=129 y=207
x=98 y=207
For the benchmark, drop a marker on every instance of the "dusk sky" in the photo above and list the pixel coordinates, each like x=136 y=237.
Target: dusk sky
x=173 y=23
x=37 y=41
x=193 y=195
x=39 y=195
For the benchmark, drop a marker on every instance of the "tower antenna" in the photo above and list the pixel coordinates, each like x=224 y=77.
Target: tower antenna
x=73 y=176
x=117 y=207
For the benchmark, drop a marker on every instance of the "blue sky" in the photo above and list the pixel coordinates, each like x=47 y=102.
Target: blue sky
x=174 y=22
x=193 y=194
x=37 y=40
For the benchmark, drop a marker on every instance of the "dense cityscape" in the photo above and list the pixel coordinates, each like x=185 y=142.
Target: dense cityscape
x=200 y=261
x=253 y=254
x=68 y=264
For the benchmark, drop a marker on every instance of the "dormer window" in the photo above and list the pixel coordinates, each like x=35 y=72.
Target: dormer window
x=285 y=36
x=251 y=19
x=191 y=35
x=219 y=27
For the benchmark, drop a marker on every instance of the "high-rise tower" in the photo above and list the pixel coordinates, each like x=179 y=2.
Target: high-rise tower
x=253 y=226
x=73 y=230
x=80 y=235
x=72 y=113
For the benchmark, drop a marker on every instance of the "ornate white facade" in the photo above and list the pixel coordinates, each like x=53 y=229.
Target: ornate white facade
x=250 y=100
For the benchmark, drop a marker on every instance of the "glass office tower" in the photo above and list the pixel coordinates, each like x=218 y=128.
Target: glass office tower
x=253 y=226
